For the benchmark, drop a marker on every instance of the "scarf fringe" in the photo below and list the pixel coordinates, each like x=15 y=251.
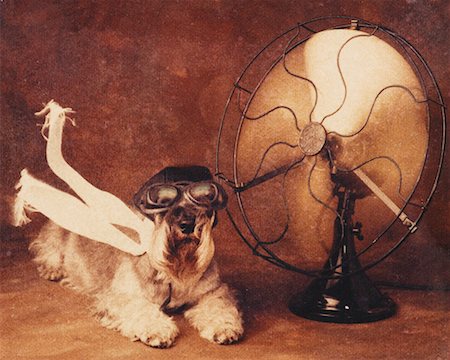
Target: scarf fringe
x=21 y=206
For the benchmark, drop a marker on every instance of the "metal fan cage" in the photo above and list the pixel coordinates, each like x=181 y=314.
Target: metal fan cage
x=248 y=83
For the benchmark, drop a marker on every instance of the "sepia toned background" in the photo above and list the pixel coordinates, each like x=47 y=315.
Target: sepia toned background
x=149 y=81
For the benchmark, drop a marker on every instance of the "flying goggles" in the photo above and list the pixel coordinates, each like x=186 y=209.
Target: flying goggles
x=173 y=185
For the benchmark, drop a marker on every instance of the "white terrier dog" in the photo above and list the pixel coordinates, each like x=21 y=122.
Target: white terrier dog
x=136 y=295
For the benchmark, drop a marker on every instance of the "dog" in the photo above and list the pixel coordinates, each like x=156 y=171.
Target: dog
x=137 y=295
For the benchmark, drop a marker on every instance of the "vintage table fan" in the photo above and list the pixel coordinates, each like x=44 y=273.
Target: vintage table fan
x=334 y=130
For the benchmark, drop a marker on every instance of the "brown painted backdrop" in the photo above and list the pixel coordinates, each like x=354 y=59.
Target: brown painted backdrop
x=149 y=80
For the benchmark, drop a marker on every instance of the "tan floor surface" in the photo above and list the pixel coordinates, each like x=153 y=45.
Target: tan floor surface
x=42 y=320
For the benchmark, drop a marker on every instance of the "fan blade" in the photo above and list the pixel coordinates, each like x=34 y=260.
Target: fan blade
x=350 y=68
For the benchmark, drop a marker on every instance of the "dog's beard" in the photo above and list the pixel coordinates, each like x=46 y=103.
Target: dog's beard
x=182 y=256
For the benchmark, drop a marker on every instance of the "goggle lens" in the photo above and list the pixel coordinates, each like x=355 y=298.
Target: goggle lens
x=162 y=195
x=203 y=193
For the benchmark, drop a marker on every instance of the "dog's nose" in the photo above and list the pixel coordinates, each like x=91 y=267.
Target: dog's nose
x=187 y=227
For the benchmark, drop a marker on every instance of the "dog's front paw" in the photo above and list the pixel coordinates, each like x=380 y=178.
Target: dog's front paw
x=227 y=336
x=159 y=334
x=159 y=340
x=223 y=335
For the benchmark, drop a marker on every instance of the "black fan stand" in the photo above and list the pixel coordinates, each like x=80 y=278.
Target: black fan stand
x=351 y=297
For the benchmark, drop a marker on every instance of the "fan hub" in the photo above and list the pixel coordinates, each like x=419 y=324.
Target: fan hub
x=312 y=138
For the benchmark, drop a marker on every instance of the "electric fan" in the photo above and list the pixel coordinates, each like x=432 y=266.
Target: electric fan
x=332 y=140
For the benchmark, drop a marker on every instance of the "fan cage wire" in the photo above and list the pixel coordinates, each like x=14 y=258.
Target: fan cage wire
x=236 y=186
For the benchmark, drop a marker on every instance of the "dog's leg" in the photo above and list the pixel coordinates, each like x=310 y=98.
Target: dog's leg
x=137 y=319
x=48 y=250
x=216 y=316
x=128 y=308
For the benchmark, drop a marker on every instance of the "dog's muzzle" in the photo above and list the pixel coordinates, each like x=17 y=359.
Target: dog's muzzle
x=185 y=217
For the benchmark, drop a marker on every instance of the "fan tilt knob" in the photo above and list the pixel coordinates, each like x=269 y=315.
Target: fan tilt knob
x=312 y=138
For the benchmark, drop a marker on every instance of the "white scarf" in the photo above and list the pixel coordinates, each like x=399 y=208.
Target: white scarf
x=95 y=215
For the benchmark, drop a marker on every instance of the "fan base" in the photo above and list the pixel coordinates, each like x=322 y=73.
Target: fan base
x=343 y=293
x=342 y=302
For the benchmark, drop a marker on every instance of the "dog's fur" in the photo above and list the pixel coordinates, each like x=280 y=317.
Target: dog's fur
x=132 y=293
